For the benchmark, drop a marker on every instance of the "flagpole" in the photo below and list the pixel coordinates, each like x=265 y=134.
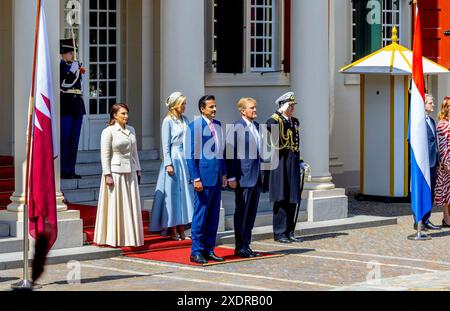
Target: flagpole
x=25 y=283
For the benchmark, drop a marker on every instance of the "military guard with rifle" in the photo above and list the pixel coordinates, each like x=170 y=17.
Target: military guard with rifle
x=72 y=107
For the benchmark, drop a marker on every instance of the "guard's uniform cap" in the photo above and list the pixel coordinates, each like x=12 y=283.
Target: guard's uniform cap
x=288 y=98
x=66 y=46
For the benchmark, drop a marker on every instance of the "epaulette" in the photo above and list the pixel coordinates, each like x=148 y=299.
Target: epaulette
x=276 y=117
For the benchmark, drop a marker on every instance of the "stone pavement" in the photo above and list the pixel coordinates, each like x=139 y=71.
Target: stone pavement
x=379 y=258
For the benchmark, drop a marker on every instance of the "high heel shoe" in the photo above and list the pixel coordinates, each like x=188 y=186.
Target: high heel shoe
x=444 y=224
x=180 y=231
x=173 y=234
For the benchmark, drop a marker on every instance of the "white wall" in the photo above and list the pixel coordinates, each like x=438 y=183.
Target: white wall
x=227 y=97
x=346 y=126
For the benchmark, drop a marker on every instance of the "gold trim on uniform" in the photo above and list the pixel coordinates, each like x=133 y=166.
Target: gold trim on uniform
x=287 y=137
x=72 y=91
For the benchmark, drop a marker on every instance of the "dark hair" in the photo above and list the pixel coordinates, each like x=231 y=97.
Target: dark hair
x=203 y=100
x=114 y=109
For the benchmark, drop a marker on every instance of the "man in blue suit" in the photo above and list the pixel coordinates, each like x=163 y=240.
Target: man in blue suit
x=433 y=152
x=204 y=155
x=244 y=174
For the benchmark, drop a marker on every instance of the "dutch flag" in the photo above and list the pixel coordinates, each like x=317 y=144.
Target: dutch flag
x=420 y=166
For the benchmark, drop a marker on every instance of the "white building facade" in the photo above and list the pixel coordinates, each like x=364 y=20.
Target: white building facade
x=140 y=51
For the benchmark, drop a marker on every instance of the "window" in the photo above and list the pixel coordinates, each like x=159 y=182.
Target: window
x=262 y=39
x=391 y=18
x=372 y=23
x=103 y=55
x=72 y=11
x=246 y=35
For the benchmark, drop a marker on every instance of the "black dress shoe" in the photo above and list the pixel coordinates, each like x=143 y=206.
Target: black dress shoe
x=249 y=250
x=294 y=239
x=198 y=259
x=283 y=240
x=430 y=226
x=444 y=224
x=66 y=176
x=243 y=253
x=213 y=257
x=422 y=228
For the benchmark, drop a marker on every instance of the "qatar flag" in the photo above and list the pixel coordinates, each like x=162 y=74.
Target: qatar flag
x=42 y=197
x=420 y=166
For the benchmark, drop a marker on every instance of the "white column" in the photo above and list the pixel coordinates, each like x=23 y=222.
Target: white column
x=24 y=28
x=182 y=52
x=310 y=82
x=148 y=128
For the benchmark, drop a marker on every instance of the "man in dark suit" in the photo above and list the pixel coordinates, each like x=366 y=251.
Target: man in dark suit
x=204 y=156
x=244 y=174
x=433 y=152
x=284 y=179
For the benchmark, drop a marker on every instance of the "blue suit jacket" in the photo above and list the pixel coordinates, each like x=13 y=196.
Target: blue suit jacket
x=204 y=158
x=242 y=156
x=433 y=150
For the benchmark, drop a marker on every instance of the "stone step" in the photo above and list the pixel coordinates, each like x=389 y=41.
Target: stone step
x=314 y=228
x=145 y=201
x=10 y=245
x=86 y=195
x=4 y=230
x=89 y=182
x=14 y=260
x=263 y=219
x=93 y=156
x=95 y=168
x=228 y=203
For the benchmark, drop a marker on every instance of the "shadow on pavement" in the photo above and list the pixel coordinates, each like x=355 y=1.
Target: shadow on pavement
x=440 y=234
x=106 y=278
x=4 y=280
x=293 y=251
x=332 y=235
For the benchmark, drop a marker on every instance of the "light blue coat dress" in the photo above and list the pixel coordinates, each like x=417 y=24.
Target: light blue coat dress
x=174 y=195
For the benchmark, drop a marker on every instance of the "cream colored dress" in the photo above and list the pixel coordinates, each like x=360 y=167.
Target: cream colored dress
x=119 y=218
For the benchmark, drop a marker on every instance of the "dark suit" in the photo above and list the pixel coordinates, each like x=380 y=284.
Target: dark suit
x=244 y=164
x=205 y=162
x=284 y=181
x=433 y=151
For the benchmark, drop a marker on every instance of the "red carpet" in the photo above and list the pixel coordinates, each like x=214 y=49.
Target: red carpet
x=152 y=241
x=6 y=180
x=181 y=256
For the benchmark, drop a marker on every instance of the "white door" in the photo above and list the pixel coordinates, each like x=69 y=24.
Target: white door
x=98 y=36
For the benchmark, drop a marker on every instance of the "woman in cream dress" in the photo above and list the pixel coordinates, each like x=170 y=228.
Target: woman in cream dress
x=174 y=196
x=119 y=218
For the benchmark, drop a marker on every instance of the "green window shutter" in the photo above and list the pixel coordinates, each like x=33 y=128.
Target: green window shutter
x=367 y=29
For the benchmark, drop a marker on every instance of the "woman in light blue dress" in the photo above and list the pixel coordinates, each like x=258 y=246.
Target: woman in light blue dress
x=174 y=196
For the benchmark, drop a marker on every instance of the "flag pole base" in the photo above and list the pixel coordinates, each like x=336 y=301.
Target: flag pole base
x=419 y=236
x=25 y=285
x=22 y=285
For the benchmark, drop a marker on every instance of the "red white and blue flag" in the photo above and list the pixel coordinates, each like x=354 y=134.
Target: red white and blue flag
x=42 y=197
x=420 y=166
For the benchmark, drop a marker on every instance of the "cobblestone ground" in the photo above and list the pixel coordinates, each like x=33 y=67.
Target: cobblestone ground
x=379 y=258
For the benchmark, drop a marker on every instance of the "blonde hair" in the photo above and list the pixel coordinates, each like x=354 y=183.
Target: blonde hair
x=242 y=103
x=175 y=105
x=445 y=109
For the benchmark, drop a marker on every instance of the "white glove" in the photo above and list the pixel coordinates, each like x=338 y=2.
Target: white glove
x=284 y=108
x=75 y=67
